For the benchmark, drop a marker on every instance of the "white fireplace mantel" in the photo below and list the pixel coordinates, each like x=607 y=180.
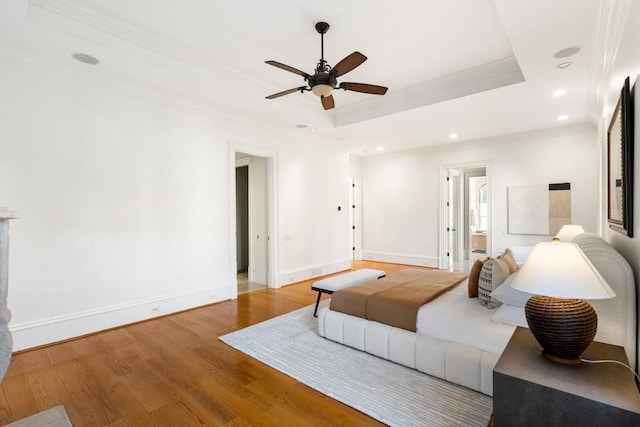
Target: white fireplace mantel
x=6 y=342
x=6 y=213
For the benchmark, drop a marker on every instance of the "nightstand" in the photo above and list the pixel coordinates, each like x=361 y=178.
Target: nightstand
x=529 y=390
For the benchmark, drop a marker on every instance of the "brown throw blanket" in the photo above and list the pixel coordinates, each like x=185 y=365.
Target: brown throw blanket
x=395 y=299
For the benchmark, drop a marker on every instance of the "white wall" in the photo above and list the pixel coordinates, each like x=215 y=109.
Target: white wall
x=314 y=230
x=125 y=205
x=626 y=64
x=401 y=190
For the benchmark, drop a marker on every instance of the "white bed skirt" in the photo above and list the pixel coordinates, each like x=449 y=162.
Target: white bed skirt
x=458 y=363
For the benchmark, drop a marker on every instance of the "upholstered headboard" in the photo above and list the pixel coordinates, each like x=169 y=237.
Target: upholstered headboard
x=617 y=317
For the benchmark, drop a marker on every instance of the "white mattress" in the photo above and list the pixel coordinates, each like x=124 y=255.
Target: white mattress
x=457 y=318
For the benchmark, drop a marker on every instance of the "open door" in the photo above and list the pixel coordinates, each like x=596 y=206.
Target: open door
x=465 y=204
x=251 y=224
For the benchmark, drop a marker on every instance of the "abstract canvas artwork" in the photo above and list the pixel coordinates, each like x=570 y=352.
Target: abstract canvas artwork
x=538 y=209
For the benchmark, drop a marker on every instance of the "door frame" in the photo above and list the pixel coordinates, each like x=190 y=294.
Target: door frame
x=273 y=248
x=443 y=259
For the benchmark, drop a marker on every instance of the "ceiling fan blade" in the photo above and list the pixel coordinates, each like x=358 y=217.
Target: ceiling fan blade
x=288 y=68
x=364 y=88
x=327 y=102
x=348 y=63
x=287 y=92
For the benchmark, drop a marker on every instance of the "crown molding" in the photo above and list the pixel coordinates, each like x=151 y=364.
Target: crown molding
x=60 y=12
x=99 y=28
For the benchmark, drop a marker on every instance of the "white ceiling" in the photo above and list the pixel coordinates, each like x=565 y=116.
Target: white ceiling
x=477 y=68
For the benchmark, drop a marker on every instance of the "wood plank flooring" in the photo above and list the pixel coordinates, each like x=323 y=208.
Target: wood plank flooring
x=173 y=371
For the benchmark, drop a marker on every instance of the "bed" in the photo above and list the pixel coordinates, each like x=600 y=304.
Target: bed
x=460 y=340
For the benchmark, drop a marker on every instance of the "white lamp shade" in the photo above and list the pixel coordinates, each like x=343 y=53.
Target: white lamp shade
x=568 y=232
x=561 y=270
x=322 y=90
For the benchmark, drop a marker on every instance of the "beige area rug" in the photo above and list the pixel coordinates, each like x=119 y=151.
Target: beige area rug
x=54 y=417
x=391 y=393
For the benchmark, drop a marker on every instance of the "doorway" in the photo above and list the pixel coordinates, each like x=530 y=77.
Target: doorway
x=475 y=205
x=465 y=227
x=251 y=222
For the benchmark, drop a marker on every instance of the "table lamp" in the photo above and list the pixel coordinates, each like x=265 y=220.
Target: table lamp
x=568 y=232
x=560 y=277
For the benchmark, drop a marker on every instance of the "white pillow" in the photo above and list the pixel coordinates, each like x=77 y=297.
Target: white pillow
x=510 y=315
x=520 y=253
x=510 y=296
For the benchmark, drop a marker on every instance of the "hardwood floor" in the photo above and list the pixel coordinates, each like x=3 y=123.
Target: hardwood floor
x=173 y=371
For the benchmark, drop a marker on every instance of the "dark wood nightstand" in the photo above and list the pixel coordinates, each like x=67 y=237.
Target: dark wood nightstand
x=529 y=390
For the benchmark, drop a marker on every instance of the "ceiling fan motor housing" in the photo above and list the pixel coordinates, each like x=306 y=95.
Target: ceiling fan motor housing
x=323 y=79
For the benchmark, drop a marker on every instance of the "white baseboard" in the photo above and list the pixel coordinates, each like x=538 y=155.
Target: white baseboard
x=310 y=272
x=46 y=331
x=416 y=260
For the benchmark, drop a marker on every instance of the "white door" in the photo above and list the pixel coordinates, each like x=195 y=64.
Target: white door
x=450 y=219
x=355 y=218
x=252 y=225
x=352 y=218
x=455 y=219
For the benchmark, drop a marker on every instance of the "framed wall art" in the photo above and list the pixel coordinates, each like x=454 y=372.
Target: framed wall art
x=538 y=209
x=620 y=141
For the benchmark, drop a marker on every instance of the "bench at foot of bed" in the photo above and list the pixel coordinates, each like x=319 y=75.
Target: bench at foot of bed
x=341 y=281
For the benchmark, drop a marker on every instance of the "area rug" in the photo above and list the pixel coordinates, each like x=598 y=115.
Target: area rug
x=391 y=393
x=53 y=417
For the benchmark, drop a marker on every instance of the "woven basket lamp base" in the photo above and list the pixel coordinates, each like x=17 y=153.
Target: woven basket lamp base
x=564 y=327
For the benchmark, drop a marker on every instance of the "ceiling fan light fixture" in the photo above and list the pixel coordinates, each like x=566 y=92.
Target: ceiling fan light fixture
x=322 y=90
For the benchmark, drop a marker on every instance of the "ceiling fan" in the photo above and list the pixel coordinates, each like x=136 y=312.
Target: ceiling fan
x=324 y=80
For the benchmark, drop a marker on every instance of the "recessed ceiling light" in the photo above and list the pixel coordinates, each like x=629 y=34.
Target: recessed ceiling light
x=564 y=65
x=563 y=117
x=559 y=92
x=301 y=126
x=380 y=148
x=85 y=59
x=313 y=129
x=453 y=136
x=564 y=53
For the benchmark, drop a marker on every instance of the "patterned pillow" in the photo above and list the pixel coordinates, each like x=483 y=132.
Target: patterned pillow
x=474 y=276
x=493 y=273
